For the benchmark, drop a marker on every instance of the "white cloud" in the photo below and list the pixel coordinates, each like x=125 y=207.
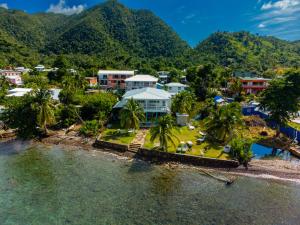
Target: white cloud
x=281 y=4
x=62 y=8
x=4 y=5
x=277 y=16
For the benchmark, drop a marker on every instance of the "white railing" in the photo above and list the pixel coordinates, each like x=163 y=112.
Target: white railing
x=157 y=109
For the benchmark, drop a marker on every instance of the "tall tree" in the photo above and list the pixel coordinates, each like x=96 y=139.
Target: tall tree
x=45 y=108
x=164 y=132
x=241 y=151
x=204 y=77
x=281 y=98
x=224 y=121
x=4 y=86
x=131 y=115
x=183 y=102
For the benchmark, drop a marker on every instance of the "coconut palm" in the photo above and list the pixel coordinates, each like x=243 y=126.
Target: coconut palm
x=45 y=108
x=224 y=121
x=131 y=115
x=183 y=102
x=164 y=132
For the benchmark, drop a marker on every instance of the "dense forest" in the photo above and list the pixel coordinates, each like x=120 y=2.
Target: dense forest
x=110 y=35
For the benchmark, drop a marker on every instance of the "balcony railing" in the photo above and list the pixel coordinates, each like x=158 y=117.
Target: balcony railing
x=163 y=109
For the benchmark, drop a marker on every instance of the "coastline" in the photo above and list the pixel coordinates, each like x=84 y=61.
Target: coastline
x=272 y=169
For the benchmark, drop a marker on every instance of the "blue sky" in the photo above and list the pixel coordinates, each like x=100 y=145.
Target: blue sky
x=194 y=20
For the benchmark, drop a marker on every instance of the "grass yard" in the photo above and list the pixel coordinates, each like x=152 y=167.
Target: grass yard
x=117 y=136
x=183 y=134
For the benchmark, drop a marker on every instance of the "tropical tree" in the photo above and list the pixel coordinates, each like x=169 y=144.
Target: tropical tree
x=45 y=108
x=20 y=115
x=164 y=132
x=223 y=122
x=183 y=102
x=241 y=151
x=235 y=87
x=281 y=98
x=4 y=85
x=131 y=115
x=204 y=77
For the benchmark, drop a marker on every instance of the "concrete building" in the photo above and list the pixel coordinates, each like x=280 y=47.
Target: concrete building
x=164 y=77
x=113 y=79
x=40 y=68
x=254 y=85
x=155 y=102
x=12 y=76
x=175 y=88
x=92 y=81
x=140 y=81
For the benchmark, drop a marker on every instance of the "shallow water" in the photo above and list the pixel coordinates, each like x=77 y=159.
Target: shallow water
x=49 y=185
x=262 y=152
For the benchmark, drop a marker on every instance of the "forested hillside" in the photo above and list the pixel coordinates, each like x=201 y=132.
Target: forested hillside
x=110 y=35
x=242 y=50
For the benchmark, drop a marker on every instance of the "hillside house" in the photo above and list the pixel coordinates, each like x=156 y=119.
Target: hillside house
x=140 y=81
x=155 y=102
x=113 y=79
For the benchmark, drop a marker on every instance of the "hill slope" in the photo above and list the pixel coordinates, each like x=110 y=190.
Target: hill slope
x=109 y=28
x=242 y=50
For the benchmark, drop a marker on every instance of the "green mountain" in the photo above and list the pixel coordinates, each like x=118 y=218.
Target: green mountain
x=245 y=51
x=110 y=35
x=108 y=29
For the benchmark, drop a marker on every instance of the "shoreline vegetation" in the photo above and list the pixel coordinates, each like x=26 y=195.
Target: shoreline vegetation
x=153 y=91
x=273 y=169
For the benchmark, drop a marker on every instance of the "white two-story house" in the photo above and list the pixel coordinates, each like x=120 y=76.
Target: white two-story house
x=140 y=81
x=155 y=102
x=175 y=88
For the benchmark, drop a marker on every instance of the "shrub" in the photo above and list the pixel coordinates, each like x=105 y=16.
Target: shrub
x=90 y=128
x=241 y=151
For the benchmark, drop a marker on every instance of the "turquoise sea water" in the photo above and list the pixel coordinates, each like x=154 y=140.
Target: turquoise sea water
x=49 y=185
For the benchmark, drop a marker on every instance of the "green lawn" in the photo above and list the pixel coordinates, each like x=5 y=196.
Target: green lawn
x=117 y=136
x=205 y=149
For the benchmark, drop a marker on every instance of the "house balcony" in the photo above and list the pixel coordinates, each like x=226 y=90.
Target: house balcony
x=157 y=109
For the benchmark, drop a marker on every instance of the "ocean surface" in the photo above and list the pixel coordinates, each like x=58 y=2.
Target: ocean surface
x=41 y=185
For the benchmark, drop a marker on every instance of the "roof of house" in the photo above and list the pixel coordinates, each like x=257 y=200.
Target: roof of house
x=142 y=78
x=116 y=72
x=255 y=78
x=176 y=85
x=20 y=90
x=144 y=94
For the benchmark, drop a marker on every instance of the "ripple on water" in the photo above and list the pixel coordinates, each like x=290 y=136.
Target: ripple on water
x=78 y=187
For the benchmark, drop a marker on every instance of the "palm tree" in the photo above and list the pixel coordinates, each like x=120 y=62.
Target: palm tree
x=183 y=102
x=164 y=132
x=45 y=108
x=224 y=121
x=131 y=115
x=235 y=88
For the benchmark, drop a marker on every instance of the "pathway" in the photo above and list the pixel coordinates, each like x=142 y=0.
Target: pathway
x=138 y=141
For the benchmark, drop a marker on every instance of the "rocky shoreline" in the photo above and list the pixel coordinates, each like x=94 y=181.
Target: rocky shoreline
x=265 y=169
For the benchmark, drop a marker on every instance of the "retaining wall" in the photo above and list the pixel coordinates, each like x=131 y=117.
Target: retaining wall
x=186 y=159
x=112 y=146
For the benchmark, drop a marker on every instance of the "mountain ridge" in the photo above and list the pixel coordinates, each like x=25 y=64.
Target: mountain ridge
x=119 y=37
